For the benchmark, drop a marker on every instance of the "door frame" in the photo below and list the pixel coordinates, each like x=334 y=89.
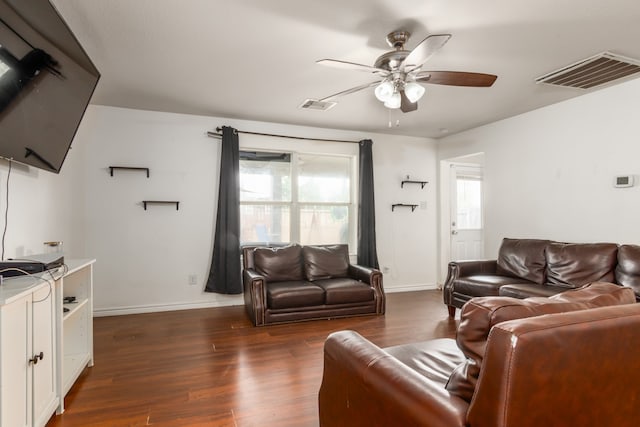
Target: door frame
x=470 y=160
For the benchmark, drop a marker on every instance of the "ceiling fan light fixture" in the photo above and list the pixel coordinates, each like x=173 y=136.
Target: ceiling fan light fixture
x=384 y=91
x=394 y=101
x=414 y=91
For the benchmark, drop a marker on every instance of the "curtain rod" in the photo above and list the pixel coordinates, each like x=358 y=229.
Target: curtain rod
x=218 y=135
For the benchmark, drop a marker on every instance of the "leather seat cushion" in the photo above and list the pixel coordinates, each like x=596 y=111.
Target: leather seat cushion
x=628 y=269
x=525 y=290
x=325 y=262
x=576 y=264
x=483 y=285
x=294 y=293
x=479 y=315
x=522 y=258
x=279 y=264
x=345 y=291
x=434 y=359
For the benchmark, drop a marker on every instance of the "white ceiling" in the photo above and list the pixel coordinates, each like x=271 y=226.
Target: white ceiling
x=255 y=59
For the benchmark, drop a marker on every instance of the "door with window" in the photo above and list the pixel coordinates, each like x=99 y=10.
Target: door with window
x=296 y=197
x=467 y=233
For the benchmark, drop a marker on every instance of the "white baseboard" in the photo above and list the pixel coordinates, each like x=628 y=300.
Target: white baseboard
x=411 y=288
x=153 y=308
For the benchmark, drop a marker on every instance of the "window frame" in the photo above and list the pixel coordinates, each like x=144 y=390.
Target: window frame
x=295 y=204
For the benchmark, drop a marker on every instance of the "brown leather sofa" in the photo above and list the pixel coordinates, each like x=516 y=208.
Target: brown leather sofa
x=294 y=283
x=567 y=360
x=532 y=267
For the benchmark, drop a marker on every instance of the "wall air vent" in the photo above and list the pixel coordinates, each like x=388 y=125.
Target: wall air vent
x=595 y=71
x=314 y=104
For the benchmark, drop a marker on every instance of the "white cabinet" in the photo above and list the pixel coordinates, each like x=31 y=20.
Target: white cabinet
x=43 y=348
x=28 y=382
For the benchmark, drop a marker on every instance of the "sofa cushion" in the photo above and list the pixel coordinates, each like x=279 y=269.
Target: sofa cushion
x=345 y=291
x=528 y=290
x=434 y=359
x=293 y=294
x=279 y=264
x=483 y=285
x=576 y=264
x=325 y=262
x=522 y=258
x=479 y=315
x=628 y=269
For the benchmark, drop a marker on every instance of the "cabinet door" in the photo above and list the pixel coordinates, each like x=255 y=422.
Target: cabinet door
x=15 y=371
x=44 y=374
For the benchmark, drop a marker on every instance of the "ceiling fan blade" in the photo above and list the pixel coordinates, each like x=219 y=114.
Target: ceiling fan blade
x=352 y=90
x=351 y=66
x=456 y=78
x=407 y=106
x=425 y=49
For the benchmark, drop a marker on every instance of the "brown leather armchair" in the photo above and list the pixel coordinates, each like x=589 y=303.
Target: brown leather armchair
x=516 y=363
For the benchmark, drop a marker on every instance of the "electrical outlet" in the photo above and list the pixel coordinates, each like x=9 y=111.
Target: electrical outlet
x=423 y=205
x=193 y=279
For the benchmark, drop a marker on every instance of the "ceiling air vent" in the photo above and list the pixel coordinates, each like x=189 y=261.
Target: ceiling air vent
x=314 y=104
x=591 y=72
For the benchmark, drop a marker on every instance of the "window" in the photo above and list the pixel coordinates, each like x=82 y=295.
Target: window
x=296 y=197
x=469 y=203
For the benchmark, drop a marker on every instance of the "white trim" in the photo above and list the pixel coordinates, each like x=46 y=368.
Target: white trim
x=411 y=288
x=154 y=308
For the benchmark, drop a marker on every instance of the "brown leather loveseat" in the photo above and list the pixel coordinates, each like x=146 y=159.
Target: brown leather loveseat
x=532 y=267
x=567 y=360
x=293 y=283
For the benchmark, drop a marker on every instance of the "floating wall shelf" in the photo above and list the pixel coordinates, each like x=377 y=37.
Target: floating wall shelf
x=160 y=202
x=406 y=181
x=403 y=205
x=112 y=168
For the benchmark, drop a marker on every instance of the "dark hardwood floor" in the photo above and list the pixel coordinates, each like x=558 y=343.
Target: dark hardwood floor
x=211 y=367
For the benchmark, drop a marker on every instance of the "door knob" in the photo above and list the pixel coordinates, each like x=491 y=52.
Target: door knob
x=454 y=232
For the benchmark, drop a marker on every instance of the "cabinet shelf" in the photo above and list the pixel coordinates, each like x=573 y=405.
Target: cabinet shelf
x=73 y=366
x=410 y=181
x=73 y=308
x=403 y=205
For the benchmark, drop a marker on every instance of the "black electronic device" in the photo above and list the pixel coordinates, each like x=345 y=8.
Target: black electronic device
x=31 y=264
x=46 y=82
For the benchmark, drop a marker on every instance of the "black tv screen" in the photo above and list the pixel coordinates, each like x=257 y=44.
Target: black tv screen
x=46 y=83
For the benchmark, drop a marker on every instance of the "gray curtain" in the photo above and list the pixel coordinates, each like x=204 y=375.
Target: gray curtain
x=224 y=274
x=367 y=254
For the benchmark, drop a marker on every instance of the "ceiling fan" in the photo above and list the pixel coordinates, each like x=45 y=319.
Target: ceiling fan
x=400 y=72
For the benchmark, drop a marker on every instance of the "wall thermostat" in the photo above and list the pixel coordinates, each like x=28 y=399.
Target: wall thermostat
x=623 y=181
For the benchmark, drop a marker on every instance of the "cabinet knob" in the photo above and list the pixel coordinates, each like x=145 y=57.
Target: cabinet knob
x=36 y=357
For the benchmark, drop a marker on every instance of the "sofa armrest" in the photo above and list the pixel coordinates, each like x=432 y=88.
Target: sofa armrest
x=255 y=295
x=464 y=269
x=362 y=385
x=372 y=277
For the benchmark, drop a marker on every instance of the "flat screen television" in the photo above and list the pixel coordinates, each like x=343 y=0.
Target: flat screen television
x=46 y=83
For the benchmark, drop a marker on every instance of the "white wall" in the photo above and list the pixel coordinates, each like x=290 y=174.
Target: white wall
x=145 y=257
x=43 y=206
x=549 y=172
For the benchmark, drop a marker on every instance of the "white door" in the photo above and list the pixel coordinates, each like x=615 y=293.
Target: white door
x=467 y=234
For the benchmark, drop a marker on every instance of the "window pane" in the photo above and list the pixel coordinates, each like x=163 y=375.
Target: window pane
x=264 y=224
x=469 y=204
x=265 y=177
x=320 y=225
x=324 y=179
